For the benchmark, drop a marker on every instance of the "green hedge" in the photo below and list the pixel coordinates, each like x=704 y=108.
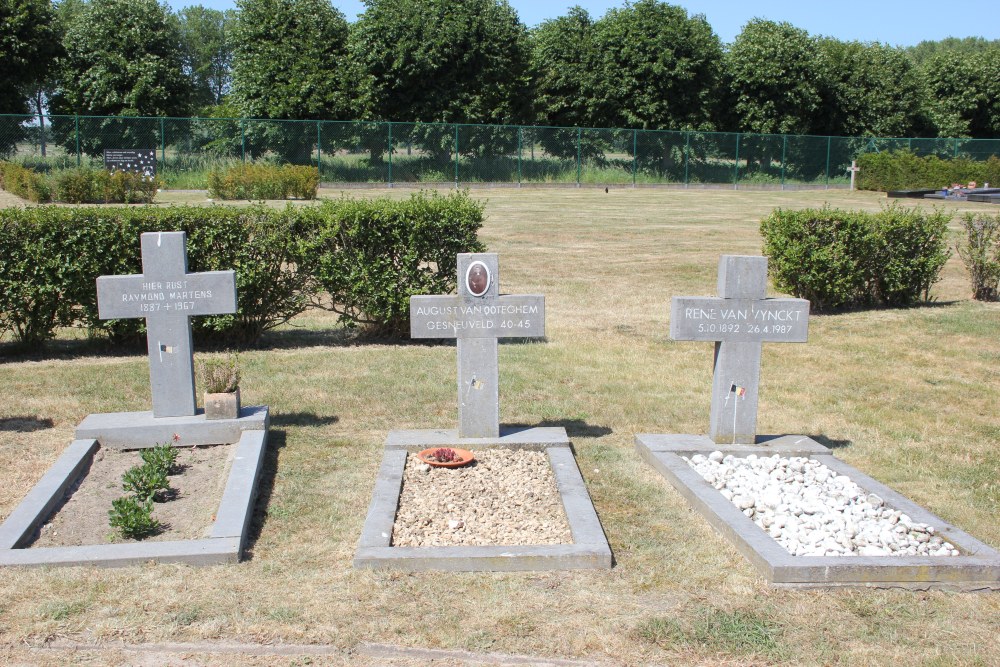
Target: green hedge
x=24 y=183
x=853 y=259
x=903 y=170
x=263 y=181
x=370 y=256
x=78 y=186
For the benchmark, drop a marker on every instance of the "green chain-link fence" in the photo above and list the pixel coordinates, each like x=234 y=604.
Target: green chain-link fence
x=388 y=153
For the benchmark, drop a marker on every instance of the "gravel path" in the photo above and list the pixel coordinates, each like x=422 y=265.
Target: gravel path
x=504 y=497
x=810 y=510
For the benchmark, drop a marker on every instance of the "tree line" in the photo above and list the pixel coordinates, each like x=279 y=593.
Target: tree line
x=646 y=65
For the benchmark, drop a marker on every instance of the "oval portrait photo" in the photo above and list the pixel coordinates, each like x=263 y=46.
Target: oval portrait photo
x=477 y=278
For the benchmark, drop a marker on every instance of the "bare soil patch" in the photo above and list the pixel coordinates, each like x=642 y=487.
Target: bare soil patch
x=187 y=513
x=503 y=497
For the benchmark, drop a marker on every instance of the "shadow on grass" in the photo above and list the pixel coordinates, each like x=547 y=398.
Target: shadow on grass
x=578 y=428
x=276 y=441
x=25 y=424
x=829 y=443
x=302 y=419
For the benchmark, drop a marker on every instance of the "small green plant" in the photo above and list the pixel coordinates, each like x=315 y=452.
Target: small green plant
x=220 y=375
x=132 y=517
x=981 y=254
x=264 y=181
x=24 y=182
x=161 y=457
x=444 y=455
x=145 y=480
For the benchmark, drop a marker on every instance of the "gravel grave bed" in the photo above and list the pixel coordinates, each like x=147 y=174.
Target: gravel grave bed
x=505 y=497
x=811 y=510
x=196 y=490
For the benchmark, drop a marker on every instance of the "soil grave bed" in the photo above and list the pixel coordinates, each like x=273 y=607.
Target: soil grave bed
x=187 y=512
x=504 y=497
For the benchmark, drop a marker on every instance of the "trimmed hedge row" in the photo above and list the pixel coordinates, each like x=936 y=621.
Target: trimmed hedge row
x=78 y=186
x=903 y=170
x=262 y=181
x=25 y=183
x=850 y=259
x=368 y=256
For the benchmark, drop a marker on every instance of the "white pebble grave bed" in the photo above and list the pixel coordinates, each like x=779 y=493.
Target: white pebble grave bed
x=811 y=510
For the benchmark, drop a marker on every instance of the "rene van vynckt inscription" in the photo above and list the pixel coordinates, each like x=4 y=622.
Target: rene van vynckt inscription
x=740 y=320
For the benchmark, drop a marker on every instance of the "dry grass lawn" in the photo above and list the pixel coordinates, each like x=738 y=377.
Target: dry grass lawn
x=910 y=397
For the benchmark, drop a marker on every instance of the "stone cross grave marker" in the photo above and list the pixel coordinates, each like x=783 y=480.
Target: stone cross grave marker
x=854 y=169
x=167 y=296
x=738 y=321
x=477 y=316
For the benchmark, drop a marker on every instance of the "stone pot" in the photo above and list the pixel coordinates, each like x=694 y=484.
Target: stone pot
x=224 y=405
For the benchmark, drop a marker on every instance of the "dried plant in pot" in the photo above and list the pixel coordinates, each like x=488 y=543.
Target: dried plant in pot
x=221 y=377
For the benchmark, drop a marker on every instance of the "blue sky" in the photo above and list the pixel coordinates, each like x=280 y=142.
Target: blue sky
x=899 y=22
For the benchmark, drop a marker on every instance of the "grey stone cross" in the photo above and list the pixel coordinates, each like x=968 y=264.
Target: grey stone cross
x=477 y=317
x=738 y=321
x=167 y=296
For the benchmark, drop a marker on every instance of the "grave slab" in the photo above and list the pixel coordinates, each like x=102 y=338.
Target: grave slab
x=477 y=317
x=976 y=569
x=225 y=545
x=137 y=430
x=590 y=549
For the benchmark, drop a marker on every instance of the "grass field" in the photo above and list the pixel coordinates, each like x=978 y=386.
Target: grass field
x=910 y=397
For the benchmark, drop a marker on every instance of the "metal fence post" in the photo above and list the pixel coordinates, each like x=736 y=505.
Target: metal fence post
x=579 y=139
x=635 y=155
x=829 y=141
x=243 y=139
x=319 y=150
x=519 y=141
x=784 y=147
x=956 y=147
x=77 y=123
x=687 y=155
x=163 y=141
x=456 y=155
x=736 y=165
x=390 y=153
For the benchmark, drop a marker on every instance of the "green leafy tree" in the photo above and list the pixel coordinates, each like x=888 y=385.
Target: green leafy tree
x=964 y=93
x=657 y=67
x=444 y=61
x=123 y=58
x=563 y=60
x=857 y=101
x=774 y=79
x=927 y=49
x=289 y=63
x=208 y=55
x=28 y=47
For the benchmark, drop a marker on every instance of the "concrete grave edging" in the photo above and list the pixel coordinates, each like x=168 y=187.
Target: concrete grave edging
x=589 y=550
x=229 y=531
x=977 y=569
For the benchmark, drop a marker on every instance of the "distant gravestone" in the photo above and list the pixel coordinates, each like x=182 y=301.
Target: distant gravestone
x=739 y=320
x=167 y=296
x=477 y=317
x=131 y=160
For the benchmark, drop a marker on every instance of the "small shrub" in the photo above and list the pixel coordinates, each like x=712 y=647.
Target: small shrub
x=161 y=457
x=99 y=186
x=849 y=259
x=132 y=517
x=145 y=481
x=981 y=254
x=24 y=183
x=220 y=375
x=263 y=181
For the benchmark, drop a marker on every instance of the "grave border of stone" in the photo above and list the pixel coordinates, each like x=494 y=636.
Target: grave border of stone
x=976 y=569
x=589 y=550
x=228 y=535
